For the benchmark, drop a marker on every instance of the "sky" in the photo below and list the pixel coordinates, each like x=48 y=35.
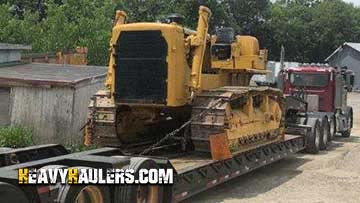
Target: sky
x=355 y=2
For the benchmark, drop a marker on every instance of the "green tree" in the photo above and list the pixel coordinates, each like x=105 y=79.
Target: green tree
x=310 y=29
x=67 y=25
x=334 y=22
x=143 y=11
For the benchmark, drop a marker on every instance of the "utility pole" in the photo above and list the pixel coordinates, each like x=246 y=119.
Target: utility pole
x=279 y=80
x=282 y=58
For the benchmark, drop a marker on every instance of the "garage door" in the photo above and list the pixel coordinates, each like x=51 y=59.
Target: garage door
x=4 y=106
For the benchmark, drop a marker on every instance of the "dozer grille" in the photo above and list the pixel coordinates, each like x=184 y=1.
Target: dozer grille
x=141 y=67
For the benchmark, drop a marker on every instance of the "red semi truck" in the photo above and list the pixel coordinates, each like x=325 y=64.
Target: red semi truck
x=319 y=91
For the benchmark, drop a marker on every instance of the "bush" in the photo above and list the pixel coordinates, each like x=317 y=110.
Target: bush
x=15 y=137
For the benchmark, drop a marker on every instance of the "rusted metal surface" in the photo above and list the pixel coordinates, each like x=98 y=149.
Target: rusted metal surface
x=219 y=146
x=190 y=162
x=76 y=56
x=49 y=75
x=46 y=57
x=247 y=125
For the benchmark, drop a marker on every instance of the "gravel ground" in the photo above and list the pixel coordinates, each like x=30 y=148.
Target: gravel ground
x=332 y=176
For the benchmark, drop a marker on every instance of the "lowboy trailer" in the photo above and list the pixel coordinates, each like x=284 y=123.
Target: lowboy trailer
x=193 y=172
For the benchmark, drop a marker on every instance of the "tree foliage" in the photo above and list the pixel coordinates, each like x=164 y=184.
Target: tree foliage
x=309 y=29
x=68 y=24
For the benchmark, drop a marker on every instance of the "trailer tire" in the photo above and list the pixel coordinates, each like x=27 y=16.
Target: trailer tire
x=11 y=193
x=325 y=132
x=332 y=125
x=313 y=137
x=84 y=193
x=135 y=193
x=92 y=193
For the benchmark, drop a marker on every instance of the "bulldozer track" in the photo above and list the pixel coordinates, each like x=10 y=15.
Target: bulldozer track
x=218 y=119
x=176 y=131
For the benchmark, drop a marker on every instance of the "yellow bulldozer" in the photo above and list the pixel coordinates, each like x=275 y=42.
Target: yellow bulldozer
x=172 y=88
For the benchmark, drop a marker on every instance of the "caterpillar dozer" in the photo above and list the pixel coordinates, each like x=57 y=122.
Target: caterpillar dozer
x=170 y=87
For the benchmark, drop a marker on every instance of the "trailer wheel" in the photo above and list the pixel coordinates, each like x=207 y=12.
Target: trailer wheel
x=332 y=124
x=139 y=193
x=84 y=193
x=314 y=136
x=10 y=193
x=325 y=133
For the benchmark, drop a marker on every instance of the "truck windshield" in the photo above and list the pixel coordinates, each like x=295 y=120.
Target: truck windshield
x=309 y=79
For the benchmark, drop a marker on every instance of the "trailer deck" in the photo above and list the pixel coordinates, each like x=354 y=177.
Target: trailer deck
x=197 y=174
x=194 y=172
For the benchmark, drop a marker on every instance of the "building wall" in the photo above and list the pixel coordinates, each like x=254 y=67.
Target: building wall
x=47 y=111
x=4 y=106
x=81 y=100
x=7 y=56
x=55 y=114
x=350 y=58
x=11 y=52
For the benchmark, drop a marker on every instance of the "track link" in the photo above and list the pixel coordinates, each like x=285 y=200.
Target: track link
x=250 y=117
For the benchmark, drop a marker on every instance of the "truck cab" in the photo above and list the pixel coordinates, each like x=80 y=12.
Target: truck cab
x=324 y=90
x=318 y=82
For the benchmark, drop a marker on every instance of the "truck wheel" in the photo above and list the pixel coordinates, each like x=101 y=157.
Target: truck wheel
x=10 y=193
x=325 y=133
x=332 y=128
x=313 y=137
x=139 y=193
x=347 y=133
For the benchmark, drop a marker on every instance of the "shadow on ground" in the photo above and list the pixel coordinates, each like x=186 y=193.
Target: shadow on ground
x=351 y=139
x=254 y=183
